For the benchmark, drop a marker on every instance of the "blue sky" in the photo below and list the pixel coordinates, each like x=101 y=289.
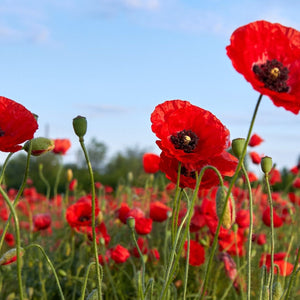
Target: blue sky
x=113 y=61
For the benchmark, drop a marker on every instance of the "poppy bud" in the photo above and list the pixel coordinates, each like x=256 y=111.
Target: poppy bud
x=10 y=256
x=238 y=146
x=80 y=126
x=229 y=216
x=266 y=164
x=277 y=290
x=40 y=146
x=130 y=222
x=69 y=175
x=266 y=292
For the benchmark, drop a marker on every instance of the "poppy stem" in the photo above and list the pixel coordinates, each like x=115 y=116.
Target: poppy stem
x=249 y=250
x=232 y=182
x=51 y=267
x=45 y=181
x=99 y=277
x=271 y=278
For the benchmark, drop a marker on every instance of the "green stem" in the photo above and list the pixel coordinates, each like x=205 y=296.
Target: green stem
x=293 y=276
x=233 y=179
x=60 y=167
x=18 y=241
x=5 y=165
x=20 y=191
x=262 y=282
x=271 y=278
x=176 y=205
x=249 y=250
x=51 y=267
x=93 y=216
x=86 y=280
x=45 y=181
x=142 y=288
x=186 y=275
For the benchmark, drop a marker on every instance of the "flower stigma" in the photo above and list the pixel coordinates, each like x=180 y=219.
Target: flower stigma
x=185 y=140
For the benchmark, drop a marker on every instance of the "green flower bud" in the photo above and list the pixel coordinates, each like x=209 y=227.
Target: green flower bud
x=80 y=126
x=130 y=222
x=40 y=145
x=266 y=164
x=265 y=293
x=238 y=146
x=277 y=290
x=229 y=215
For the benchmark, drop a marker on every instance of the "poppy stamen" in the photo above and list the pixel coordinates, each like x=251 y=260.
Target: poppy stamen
x=2 y=133
x=185 y=140
x=84 y=218
x=273 y=74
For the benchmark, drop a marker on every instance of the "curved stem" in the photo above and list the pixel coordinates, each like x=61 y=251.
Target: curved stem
x=86 y=279
x=93 y=217
x=45 y=181
x=18 y=241
x=233 y=179
x=20 y=191
x=60 y=167
x=249 y=250
x=5 y=165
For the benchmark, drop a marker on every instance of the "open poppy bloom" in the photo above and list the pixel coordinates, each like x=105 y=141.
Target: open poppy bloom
x=197 y=253
x=17 y=125
x=268 y=56
x=188 y=132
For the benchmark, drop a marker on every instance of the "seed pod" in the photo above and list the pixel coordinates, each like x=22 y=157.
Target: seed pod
x=80 y=126
x=40 y=145
x=229 y=215
x=10 y=256
x=277 y=290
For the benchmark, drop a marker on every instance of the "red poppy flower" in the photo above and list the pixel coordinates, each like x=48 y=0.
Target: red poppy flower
x=268 y=56
x=295 y=169
x=17 y=125
x=190 y=133
x=159 y=211
x=73 y=184
x=255 y=140
x=41 y=221
x=285 y=268
x=80 y=213
x=143 y=245
x=277 y=221
x=61 y=146
x=119 y=254
x=243 y=218
x=260 y=239
x=197 y=253
x=274 y=176
x=255 y=157
x=143 y=226
x=151 y=163
x=296 y=183
x=101 y=232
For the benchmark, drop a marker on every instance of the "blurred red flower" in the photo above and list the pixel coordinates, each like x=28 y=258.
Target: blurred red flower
x=73 y=184
x=159 y=211
x=143 y=226
x=268 y=56
x=143 y=245
x=17 y=125
x=41 y=221
x=285 y=268
x=61 y=146
x=188 y=132
x=151 y=163
x=243 y=218
x=197 y=253
x=277 y=221
x=255 y=140
x=80 y=213
x=274 y=176
x=119 y=254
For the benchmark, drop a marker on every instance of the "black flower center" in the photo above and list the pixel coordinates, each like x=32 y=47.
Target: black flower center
x=187 y=173
x=273 y=74
x=185 y=140
x=84 y=218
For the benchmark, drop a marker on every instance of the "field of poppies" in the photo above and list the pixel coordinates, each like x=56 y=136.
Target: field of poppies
x=200 y=227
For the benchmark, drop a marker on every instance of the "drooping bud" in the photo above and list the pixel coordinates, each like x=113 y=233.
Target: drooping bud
x=40 y=145
x=265 y=292
x=80 y=126
x=277 y=290
x=229 y=215
x=266 y=164
x=238 y=146
x=10 y=256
